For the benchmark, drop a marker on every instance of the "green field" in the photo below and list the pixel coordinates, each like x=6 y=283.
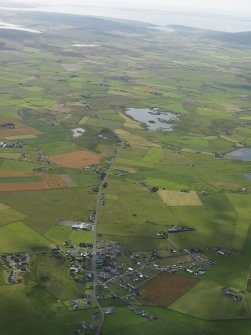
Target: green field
x=37 y=307
x=63 y=204
x=10 y=215
x=154 y=155
x=30 y=179
x=217 y=306
x=17 y=237
x=60 y=234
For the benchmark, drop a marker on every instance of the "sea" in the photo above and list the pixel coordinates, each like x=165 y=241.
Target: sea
x=223 y=23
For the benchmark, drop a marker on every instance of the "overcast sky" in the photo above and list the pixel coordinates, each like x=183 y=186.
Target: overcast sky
x=215 y=6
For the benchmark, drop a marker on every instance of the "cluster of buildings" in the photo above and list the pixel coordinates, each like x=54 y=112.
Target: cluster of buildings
x=170 y=268
x=179 y=229
x=220 y=251
x=218 y=154
x=200 y=263
x=101 y=199
x=87 y=327
x=77 y=225
x=15 y=265
x=162 y=235
x=109 y=248
x=142 y=313
x=7 y=125
x=109 y=310
x=80 y=260
x=230 y=293
x=82 y=226
x=129 y=280
x=12 y=145
x=77 y=305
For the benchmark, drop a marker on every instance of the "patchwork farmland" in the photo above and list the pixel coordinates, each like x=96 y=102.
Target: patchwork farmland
x=134 y=226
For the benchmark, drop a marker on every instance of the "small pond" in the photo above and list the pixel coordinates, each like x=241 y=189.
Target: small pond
x=77 y=132
x=243 y=154
x=81 y=45
x=152 y=118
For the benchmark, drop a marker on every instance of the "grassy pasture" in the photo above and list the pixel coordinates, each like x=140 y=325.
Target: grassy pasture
x=18 y=237
x=136 y=163
x=84 y=179
x=241 y=203
x=71 y=203
x=58 y=147
x=8 y=165
x=51 y=274
x=9 y=215
x=175 y=157
x=3 y=207
x=9 y=155
x=84 y=120
x=28 y=179
x=164 y=183
x=190 y=325
x=197 y=143
x=212 y=228
x=154 y=155
x=45 y=315
x=103 y=122
x=217 y=305
x=20 y=137
x=134 y=140
x=60 y=234
x=230 y=271
x=119 y=321
x=148 y=328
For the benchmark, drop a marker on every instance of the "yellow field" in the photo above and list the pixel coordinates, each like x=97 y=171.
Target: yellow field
x=129 y=123
x=226 y=186
x=20 y=137
x=231 y=140
x=113 y=197
x=84 y=120
x=247 y=118
x=177 y=198
x=9 y=155
x=3 y=207
x=134 y=140
x=191 y=151
x=176 y=158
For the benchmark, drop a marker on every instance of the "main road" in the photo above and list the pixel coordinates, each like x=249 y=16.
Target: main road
x=94 y=259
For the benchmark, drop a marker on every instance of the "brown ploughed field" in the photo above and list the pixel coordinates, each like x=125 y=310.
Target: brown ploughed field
x=23 y=186
x=165 y=288
x=76 y=160
x=21 y=129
